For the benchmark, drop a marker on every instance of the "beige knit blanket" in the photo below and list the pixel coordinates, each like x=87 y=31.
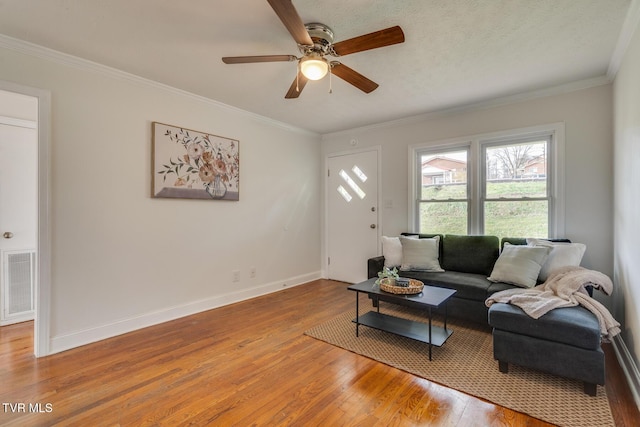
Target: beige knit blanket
x=565 y=287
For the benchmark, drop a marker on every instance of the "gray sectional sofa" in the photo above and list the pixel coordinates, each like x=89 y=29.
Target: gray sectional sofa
x=468 y=261
x=564 y=342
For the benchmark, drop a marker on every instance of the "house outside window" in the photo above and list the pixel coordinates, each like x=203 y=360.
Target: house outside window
x=508 y=184
x=443 y=199
x=515 y=198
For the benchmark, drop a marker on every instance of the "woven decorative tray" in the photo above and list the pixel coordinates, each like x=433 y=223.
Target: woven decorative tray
x=415 y=287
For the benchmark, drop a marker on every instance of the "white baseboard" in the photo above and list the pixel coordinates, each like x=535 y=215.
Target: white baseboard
x=79 y=338
x=17 y=318
x=629 y=367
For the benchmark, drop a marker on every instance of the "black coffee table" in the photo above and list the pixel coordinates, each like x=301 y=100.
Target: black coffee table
x=430 y=298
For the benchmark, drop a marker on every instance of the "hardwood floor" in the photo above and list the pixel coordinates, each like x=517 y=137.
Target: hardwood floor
x=244 y=364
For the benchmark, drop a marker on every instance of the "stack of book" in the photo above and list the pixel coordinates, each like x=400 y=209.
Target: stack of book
x=403 y=282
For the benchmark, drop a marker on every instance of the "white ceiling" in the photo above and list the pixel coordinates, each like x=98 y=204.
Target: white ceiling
x=456 y=53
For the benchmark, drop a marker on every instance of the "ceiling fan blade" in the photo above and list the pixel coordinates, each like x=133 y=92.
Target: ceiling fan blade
x=386 y=37
x=257 y=58
x=351 y=76
x=290 y=18
x=296 y=87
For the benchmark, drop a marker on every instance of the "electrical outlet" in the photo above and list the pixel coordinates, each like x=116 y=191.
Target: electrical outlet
x=236 y=275
x=252 y=272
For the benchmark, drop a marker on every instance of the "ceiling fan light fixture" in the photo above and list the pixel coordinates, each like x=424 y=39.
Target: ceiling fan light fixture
x=314 y=66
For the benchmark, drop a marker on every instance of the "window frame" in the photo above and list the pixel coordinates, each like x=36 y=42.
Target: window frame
x=476 y=173
x=419 y=178
x=503 y=142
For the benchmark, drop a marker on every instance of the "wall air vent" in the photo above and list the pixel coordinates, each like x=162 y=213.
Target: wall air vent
x=18 y=280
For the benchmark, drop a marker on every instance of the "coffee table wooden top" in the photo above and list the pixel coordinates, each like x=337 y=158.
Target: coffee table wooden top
x=431 y=296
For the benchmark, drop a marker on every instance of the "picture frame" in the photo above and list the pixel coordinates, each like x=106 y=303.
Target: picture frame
x=190 y=164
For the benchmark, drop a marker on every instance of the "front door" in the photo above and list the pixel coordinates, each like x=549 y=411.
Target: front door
x=352 y=214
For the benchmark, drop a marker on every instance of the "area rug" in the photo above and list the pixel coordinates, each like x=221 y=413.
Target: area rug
x=465 y=363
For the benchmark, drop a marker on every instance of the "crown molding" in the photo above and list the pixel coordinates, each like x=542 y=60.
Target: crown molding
x=52 y=55
x=629 y=27
x=490 y=103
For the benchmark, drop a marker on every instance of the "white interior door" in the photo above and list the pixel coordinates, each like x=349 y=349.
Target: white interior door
x=352 y=215
x=18 y=222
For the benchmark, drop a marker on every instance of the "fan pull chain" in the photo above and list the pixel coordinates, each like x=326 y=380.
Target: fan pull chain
x=297 y=78
x=330 y=89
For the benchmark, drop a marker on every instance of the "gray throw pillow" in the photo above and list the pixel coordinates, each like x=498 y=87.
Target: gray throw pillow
x=519 y=265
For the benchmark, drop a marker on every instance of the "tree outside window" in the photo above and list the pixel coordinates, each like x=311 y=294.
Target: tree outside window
x=516 y=196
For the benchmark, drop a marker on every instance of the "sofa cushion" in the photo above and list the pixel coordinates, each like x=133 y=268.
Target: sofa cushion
x=512 y=241
x=499 y=286
x=467 y=285
x=575 y=326
x=523 y=241
x=469 y=254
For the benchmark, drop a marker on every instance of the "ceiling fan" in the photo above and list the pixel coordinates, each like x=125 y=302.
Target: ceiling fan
x=315 y=42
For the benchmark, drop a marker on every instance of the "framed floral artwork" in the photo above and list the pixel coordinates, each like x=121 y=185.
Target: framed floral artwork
x=189 y=164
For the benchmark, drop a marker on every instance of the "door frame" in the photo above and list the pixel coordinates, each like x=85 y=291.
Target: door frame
x=325 y=248
x=42 y=289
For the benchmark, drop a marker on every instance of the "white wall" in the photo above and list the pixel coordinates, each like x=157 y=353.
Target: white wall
x=122 y=260
x=588 y=124
x=627 y=204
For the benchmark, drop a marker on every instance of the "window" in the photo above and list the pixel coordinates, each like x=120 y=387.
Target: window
x=443 y=200
x=507 y=184
x=515 y=196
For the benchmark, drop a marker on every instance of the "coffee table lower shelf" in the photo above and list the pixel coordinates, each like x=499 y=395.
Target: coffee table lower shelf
x=404 y=327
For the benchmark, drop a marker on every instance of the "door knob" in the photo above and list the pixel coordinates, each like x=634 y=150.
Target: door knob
x=7 y=235
x=372 y=226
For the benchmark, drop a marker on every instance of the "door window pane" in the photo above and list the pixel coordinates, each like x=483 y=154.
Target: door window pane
x=355 y=187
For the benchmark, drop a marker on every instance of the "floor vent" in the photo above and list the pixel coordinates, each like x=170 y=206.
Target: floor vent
x=18 y=286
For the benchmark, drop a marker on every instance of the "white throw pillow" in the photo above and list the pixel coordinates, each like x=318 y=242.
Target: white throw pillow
x=561 y=255
x=420 y=254
x=392 y=251
x=519 y=265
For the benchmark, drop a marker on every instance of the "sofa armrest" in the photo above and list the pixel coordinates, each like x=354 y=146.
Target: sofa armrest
x=374 y=266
